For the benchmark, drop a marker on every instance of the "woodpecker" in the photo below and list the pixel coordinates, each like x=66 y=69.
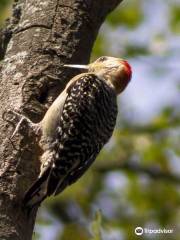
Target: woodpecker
x=77 y=125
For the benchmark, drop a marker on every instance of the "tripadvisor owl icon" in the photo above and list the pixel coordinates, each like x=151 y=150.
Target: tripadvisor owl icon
x=138 y=230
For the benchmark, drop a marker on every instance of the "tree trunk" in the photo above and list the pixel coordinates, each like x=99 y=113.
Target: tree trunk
x=40 y=37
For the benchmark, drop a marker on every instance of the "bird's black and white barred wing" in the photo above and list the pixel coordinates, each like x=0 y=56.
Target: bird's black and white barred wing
x=86 y=124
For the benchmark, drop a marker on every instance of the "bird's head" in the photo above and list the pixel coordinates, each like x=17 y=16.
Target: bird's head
x=114 y=70
x=117 y=72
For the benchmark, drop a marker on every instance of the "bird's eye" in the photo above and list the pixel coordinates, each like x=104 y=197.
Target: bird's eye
x=102 y=59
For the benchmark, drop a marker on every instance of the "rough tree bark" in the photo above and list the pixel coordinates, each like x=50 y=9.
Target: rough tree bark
x=40 y=37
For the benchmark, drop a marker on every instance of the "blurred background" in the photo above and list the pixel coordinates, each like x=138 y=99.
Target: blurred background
x=135 y=182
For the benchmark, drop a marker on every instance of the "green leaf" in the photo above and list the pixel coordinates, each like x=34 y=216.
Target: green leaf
x=175 y=19
x=96 y=226
x=128 y=14
x=4 y=10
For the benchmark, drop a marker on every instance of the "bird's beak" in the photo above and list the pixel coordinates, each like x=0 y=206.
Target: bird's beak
x=76 y=66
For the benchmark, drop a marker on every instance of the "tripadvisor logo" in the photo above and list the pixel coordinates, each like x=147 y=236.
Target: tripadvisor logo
x=140 y=231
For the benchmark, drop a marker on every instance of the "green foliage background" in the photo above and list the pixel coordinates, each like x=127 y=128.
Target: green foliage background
x=113 y=198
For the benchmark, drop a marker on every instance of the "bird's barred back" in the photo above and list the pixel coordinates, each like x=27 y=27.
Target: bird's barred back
x=86 y=124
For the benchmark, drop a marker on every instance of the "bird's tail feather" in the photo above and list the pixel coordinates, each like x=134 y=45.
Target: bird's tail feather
x=38 y=191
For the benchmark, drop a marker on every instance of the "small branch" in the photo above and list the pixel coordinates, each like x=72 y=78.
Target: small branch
x=152 y=171
x=153 y=127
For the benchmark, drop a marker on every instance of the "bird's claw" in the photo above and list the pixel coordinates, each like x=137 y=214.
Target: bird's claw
x=17 y=118
x=17 y=127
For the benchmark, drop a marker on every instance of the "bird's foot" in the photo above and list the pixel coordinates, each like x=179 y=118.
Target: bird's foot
x=16 y=119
